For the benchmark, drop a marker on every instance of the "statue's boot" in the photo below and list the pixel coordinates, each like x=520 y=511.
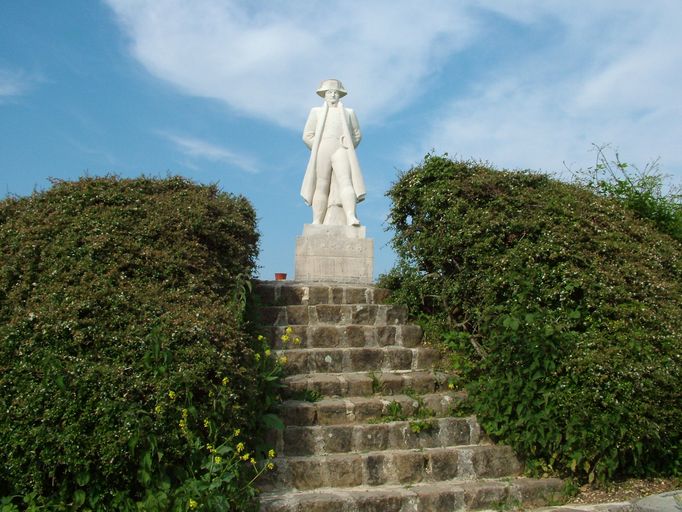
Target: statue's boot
x=349 y=204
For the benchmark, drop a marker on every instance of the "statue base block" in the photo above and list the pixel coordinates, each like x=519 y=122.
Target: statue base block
x=339 y=254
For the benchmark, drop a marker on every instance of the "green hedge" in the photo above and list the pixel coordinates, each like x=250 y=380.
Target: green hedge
x=121 y=315
x=562 y=310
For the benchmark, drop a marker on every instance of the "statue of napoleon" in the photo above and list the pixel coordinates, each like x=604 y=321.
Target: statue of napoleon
x=333 y=182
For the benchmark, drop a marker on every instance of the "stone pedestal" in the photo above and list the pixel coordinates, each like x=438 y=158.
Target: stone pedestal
x=339 y=254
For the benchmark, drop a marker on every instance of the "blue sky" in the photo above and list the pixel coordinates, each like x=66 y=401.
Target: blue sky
x=219 y=91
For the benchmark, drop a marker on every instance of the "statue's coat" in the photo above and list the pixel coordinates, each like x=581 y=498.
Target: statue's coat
x=312 y=134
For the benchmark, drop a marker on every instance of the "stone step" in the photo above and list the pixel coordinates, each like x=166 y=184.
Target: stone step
x=326 y=360
x=340 y=336
x=359 y=409
x=392 y=467
x=335 y=314
x=446 y=496
x=277 y=293
x=393 y=435
x=364 y=383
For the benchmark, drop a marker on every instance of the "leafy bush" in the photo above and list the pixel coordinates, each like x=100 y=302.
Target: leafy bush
x=640 y=191
x=123 y=349
x=561 y=307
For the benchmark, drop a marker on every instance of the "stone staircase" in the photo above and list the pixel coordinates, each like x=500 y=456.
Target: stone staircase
x=369 y=421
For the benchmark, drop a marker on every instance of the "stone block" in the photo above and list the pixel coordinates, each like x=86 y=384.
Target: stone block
x=339 y=254
x=443 y=464
x=292 y=295
x=345 y=471
x=408 y=466
x=367 y=408
x=371 y=437
x=328 y=385
x=484 y=494
x=386 y=335
x=355 y=336
x=297 y=315
x=397 y=358
x=391 y=383
x=494 y=461
x=366 y=359
x=273 y=315
x=337 y=438
x=305 y=473
x=296 y=412
x=331 y=412
x=323 y=336
x=333 y=314
x=297 y=361
x=323 y=502
x=299 y=441
x=421 y=382
x=364 y=314
x=440 y=498
x=410 y=335
x=326 y=361
x=375 y=469
x=378 y=501
x=355 y=295
x=454 y=431
x=359 y=385
x=395 y=314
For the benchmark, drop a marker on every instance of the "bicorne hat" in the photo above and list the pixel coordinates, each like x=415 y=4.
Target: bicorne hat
x=331 y=83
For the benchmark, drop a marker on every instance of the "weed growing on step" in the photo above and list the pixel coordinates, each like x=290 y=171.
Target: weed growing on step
x=307 y=395
x=421 y=419
x=377 y=386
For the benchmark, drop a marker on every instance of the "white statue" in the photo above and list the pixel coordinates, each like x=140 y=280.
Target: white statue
x=333 y=182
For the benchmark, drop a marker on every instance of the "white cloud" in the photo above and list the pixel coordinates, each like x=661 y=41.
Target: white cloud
x=266 y=58
x=197 y=148
x=13 y=83
x=606 y=71
x=611 y=75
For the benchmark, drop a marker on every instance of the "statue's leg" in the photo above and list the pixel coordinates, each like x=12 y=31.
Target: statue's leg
x=343 y=180
x=322 y=183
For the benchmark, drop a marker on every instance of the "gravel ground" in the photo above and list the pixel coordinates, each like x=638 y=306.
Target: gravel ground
x=627 y=490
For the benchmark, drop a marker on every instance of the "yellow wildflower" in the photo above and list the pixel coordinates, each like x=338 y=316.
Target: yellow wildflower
x=288 y=330
x=451 y=385
x=209 y=447
x=257 y=356
x=283 y=360
x=185 y=412
x=297 y=340
x=158 y=409
x=182 y=424
x=261 y=337
x=245 y=456
x=206 y=422
x=237 y=432
x=285 y=338
x=271 y=453
x=192 y=504
x=240 y=447
x=267 y=352
x=171 y=395
x=218 y=459
x=225 y=381
x=253 y=461
x=270 y=466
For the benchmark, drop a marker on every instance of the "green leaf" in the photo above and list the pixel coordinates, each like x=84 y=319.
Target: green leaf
x=272 y=421
x=78 y=498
